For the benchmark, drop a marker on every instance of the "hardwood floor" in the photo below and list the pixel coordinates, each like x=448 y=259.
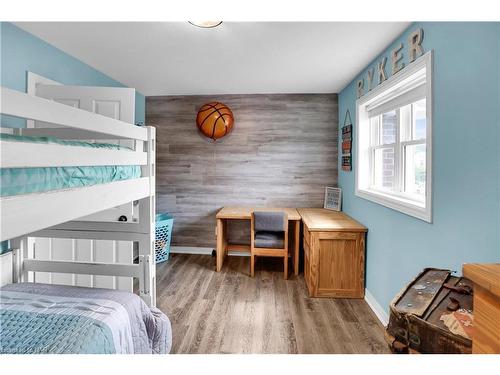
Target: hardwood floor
x=230 y=312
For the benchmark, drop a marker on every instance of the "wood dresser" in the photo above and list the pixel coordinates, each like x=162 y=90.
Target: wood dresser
x=486 y=279
x=334 y=254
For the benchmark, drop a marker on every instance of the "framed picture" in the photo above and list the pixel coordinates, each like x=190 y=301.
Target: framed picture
x=333 y=198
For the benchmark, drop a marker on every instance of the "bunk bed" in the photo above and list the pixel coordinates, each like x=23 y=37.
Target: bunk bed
x=51 y=178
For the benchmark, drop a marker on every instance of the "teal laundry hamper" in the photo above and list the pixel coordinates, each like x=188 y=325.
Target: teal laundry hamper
x=163 y=236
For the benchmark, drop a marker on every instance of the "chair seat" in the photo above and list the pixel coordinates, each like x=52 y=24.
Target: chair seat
x=272 y=240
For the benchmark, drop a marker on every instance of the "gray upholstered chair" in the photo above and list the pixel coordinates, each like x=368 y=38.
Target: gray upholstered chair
x=269 y=237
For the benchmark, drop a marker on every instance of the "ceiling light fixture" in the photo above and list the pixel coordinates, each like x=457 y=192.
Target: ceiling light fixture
x=205 y=24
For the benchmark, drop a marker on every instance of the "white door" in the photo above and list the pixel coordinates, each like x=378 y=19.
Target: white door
x=118 y=103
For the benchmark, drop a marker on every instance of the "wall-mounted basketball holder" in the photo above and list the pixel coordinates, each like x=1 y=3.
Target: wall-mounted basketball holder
x=347 y=143
x=215 y=120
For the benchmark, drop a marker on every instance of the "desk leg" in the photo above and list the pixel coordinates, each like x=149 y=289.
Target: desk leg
x=221 y=244
x=296 y=245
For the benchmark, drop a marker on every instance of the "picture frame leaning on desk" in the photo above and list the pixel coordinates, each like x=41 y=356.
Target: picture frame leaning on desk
x=333 y=199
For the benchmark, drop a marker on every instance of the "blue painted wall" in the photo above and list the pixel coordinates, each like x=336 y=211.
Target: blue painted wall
x=466 y=164
x=21 y=52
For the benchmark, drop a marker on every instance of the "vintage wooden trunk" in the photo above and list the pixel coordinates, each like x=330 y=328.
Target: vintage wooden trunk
x=416 y=324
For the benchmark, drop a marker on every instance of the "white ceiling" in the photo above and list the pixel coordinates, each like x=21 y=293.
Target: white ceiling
x=177 y=58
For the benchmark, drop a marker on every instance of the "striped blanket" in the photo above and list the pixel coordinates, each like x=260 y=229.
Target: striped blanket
x=43 y=319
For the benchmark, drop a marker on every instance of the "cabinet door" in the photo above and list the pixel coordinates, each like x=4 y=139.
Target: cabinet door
x=341 y=264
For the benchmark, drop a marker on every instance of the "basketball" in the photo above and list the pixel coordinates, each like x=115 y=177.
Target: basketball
x=215 y=120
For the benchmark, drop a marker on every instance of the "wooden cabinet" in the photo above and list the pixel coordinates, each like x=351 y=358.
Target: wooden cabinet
x=334 y=254
x=486 y=279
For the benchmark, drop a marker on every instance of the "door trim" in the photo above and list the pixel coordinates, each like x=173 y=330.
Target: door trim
x=32 y=80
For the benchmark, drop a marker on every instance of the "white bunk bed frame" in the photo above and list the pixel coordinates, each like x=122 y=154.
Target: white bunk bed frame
x=55 y=213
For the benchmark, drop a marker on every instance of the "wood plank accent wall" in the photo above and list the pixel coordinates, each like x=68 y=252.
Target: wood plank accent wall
x=282 y=152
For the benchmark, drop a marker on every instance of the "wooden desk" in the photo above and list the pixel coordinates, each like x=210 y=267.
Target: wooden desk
x=334 y=254
x=323 y=220
x=245 y=213
x=486 y=279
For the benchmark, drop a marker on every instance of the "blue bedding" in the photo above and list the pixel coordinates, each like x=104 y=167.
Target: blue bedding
x=16 y=181
x=56 y=319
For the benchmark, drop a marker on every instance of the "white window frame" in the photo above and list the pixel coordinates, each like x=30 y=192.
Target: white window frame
x=386 y=92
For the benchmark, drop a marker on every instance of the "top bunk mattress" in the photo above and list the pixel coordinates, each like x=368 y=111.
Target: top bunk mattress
x=17 y=181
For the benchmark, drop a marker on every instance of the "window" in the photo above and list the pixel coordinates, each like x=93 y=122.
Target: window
x=394 y=141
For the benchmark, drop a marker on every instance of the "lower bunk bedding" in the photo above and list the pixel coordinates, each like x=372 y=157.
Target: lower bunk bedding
x=45 y=319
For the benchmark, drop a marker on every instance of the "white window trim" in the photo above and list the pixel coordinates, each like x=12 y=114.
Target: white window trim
x=404 y=205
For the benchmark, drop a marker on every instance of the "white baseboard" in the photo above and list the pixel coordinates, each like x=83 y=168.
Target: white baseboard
x=376 y=308
x=191 y=250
